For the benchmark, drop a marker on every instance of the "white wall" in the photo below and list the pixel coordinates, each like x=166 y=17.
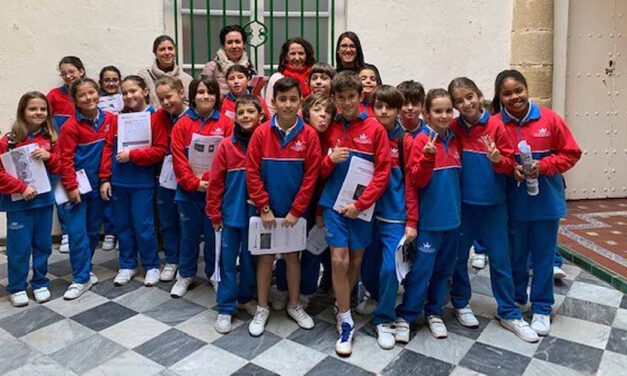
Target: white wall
x=434 y=41
x=37 y=33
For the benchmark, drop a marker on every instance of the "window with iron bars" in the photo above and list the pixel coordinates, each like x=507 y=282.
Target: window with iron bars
x=196 y=25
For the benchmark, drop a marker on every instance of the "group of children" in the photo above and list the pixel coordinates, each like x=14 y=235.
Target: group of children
x=439 y=182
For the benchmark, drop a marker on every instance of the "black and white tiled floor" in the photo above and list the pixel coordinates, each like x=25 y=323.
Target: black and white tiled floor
x=137 y=330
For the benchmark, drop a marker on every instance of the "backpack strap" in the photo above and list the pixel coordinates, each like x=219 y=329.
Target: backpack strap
x=400 y=140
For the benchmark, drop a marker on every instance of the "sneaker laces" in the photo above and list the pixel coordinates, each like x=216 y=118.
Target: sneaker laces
x=109 y=238
x=386 y=328
x=75 y=286
x=169 y=268
x=260 y=316
x=346 y=332
x=300 y=312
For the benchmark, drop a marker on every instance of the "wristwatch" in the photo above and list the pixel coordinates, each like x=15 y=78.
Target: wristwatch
x=265 y=209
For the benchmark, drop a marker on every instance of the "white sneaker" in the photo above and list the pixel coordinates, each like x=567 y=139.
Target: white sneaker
x=278 y=299
x=478 y=261
x=124 y=277
x=169 y=272
x=558 y=273
x=152 y=277
x=344 y=344
x=521 y=329
x=19 y=299
x=42 y=295
x=93 y=278
x=437 y=327
x=466 y=317
x=223 y=324
x=109 y=243
x=250 y=306
x=401 y=331
x=386 y=336
x=76 y=289
x=258 y=324
x=541 y=324
x=65 y=244
x=180 y=287
x=367 y=306
x=305 y=300
x=298 y=314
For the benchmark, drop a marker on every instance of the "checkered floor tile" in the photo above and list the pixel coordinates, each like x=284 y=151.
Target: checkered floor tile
x=125 y=330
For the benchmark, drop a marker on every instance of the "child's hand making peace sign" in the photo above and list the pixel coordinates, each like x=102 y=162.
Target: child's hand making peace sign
x=494 y=155
x=429 y=147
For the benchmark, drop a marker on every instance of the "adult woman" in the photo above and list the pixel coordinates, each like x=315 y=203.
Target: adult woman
x=296 y=59
x=232 y=39
x=348 y=52
x=165 y=65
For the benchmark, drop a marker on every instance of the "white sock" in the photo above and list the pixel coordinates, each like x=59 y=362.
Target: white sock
x=347 y=317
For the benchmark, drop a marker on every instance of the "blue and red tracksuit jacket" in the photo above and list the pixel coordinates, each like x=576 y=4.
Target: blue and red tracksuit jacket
x=483 y=182
x=416 y=131
x=554 y=147
x=139 y=171
x=10 y=185
x=282 y=170
x=81 y=143
x=366 y=138
x=184 y=129
x=61 y=105
x=366 y=107
x=438 y=180
x=399 y=202
x=226 y=195
x=227 y=107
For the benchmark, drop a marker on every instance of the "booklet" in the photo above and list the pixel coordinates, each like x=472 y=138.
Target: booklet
x=317 y=241
x=60 y=195
x=279 y=239
x=404 y=257
x=167 y=179
x=216 y=271
x=134 y=130
x=357 y=178
x=202 y=150
x=19 y=164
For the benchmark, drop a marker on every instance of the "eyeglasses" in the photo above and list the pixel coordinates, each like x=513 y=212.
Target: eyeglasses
x=70 y=73
x=348 y=47
x=110 y=80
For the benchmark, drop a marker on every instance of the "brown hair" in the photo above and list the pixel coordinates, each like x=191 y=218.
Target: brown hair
x=79 y=82
x=388 y=94
x=212 y=87
x=173 y=82
x=309 y=52
x=464 y=83
x=316 y=99
x=346 y=80
x=20 y=126
x=412 y=91
x=434 y=94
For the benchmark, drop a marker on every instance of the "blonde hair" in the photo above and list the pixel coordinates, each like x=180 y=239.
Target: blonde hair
x=20 y=126
x=173 y=82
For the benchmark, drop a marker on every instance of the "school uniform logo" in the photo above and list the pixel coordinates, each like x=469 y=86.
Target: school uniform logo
x=15 y=226
x=426 y=247
x=542 y=132
x=218 y=131
x=362 y=139
x=298 y=146
x=394 y=153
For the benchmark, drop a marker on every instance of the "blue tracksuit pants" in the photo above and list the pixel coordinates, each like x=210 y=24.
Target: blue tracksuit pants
x=108 y=222
x=194 y=223
x=83 y=224
x=486 y=225
x=28 y=230
x=371 y=264
x=386 y=238
x=479 y=248
x=169 y=224
x=135 y=227
x=538 y=240
x=436 y=255
x=234 y=245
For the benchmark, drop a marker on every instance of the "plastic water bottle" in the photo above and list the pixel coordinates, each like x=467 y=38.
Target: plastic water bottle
x=527 y=159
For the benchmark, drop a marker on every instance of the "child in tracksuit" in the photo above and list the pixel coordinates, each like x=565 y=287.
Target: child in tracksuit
x=414 y=94
x=171 y=96
x=352 y=134
x=81 y=142
x=396 y=216
x=435 y=171
x=318 y=111
x=281 y=175
x=29 y=220
x=487 y=158
x=237 y=77
x=370 y=80
x=534 y=220
x=128 y=180
x=228 y=210
x=203 y=118
x=61 y=105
